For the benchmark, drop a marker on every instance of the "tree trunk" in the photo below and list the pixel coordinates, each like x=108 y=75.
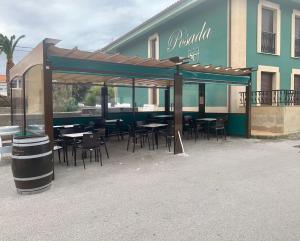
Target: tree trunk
x=9 y=65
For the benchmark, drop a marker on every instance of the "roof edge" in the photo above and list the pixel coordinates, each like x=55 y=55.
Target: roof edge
x=165 y=15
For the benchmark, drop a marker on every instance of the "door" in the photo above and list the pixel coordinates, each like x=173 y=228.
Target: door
x=266 y=88
x=297 y=89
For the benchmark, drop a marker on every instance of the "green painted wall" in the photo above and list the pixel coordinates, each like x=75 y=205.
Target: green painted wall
x=211 y=51
x=285 y=62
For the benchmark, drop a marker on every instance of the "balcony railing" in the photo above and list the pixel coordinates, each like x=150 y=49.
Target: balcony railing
x=268 y=42
x=273 y=98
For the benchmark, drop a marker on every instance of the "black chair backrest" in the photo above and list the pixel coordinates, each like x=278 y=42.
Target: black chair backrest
x=131 y=130
x=100 y=132
x=78 y=128
x=67 y=131
x=90 y=141
x=170 y=127
x=139 y=123
x=220 y=122
x=56 y=133
x=187 y=118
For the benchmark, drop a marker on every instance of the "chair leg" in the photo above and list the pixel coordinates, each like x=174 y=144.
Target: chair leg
x=100 y=155
x=96 y=155
x=106 y=150
x=128 y=142
x=134 y=141
x=58 y=151
x=83 y=156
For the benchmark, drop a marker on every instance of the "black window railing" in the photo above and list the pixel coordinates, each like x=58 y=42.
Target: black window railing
x=297 y=47
x=273 y=98
x=268 y=42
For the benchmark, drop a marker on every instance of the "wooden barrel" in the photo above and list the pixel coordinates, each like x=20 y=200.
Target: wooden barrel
x=32 y=164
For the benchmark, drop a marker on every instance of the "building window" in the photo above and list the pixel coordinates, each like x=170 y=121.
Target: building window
x=295 y=85
x=153 y=43
x=296 y=34
x=153 y=47
x=268 y=37
x=268 y=28
x=153 y=52
x=297 y=82
x=297 y=37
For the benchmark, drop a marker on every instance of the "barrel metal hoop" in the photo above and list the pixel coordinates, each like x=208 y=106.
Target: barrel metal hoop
x=31 y=144
x=32 y=178
x=32 y=156
x=32 y=190
x=31 y=140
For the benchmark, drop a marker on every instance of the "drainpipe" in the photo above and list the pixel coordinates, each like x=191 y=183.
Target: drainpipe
x=229 y=51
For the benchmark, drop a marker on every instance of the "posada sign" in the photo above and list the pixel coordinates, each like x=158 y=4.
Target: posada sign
x=182 y=38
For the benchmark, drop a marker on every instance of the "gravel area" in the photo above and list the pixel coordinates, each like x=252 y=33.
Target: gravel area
x=236 y=190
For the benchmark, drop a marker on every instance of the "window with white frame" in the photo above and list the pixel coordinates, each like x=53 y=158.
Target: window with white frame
x=153 y=47
x=268 y=29
x=296 y=34
x=153 y=52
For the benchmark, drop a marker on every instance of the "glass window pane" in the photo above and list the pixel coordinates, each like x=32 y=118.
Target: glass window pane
x=75 y=100
x=17 y=104
x=267 y=20
x=123 y=100
x=190 y=97
x=34 y=100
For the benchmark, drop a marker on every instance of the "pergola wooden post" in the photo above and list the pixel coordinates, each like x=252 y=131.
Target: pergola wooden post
x=167 y=100
x=104 y=102
x=178 y=83
x=248 y=106
x=133 y=99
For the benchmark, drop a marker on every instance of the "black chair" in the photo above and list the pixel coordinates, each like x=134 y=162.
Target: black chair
x=218 y=127
x=90 y=127
x=199 y=129
x=100 y=135
x=116 y=129
x=168 y=133
x=91 y=144
x=144 y=132
x=58 y=143
x=188 y=125
x=150 y=119
x=57 y=148
x=78 y=128
x=68 y=142
x=134 y=136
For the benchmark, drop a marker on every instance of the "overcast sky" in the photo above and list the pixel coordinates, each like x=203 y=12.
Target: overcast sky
x=87 y=24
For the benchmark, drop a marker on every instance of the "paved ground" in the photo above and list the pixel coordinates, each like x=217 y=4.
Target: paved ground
x=228 y=190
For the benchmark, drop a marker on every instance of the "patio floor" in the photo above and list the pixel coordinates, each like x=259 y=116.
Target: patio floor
x=237 y=189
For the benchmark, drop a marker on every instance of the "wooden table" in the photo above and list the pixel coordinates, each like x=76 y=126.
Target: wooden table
x=75 y=136
x=208 y=121
x=154 y=129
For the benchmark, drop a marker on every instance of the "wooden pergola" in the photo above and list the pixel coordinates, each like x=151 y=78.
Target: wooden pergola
x=70 y=66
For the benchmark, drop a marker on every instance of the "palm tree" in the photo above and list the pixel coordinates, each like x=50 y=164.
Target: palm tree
x=7 y=46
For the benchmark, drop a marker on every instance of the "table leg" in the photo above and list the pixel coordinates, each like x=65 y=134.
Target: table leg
x=208 y=126
x=74 y=150
x=156 y=138
x=153 y=137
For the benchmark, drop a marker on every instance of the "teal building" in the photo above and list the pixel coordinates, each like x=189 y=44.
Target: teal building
x=234 y=33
